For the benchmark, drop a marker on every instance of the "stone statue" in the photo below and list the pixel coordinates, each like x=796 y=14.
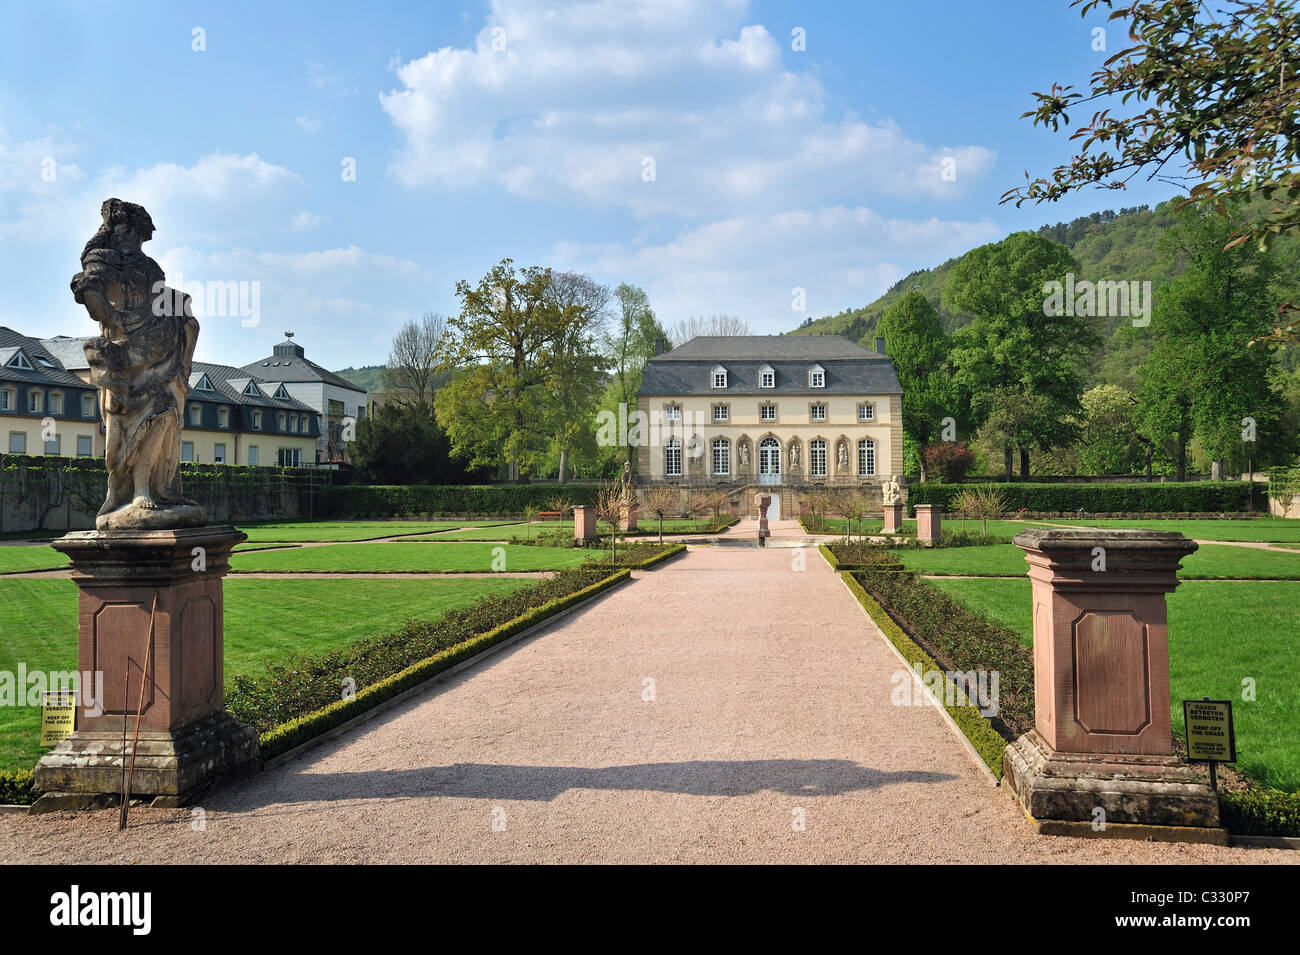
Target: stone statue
x=743 y=452
x=843 y=456
x=629 y=479
x=794 y=454
x=141 y=364
x=891 y=492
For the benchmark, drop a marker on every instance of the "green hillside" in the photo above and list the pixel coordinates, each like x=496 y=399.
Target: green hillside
x=1107 y=245
x=367 y=376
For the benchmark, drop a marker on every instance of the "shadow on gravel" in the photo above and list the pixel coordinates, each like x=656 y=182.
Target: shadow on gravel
x=793 y=777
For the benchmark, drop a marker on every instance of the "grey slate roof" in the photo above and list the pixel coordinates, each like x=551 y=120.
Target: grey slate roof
x=290 y=363
x=41 y=374
x=850 y=368
x=230 y=383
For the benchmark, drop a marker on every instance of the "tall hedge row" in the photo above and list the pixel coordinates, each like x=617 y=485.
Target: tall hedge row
x=1162 y=497
x=460 y=500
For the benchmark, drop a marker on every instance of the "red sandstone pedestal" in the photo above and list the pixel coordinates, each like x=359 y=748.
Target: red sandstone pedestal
x=893 y=518
x=584 y=522
x=929 y=523
x=762 y=502
x=1102 y=737
x=187 y=739
x=627 y=518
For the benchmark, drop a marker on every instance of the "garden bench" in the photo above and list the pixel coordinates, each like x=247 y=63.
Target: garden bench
x=550 y=515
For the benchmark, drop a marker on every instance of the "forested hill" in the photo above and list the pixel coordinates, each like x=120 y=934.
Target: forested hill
x=1107 y=245
x=367 y=376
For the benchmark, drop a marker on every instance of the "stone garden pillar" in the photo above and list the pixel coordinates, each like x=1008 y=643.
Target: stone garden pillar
x=1101 y=749
x=893 y=518
x=584 y=522
x=929 y=523
x=187 y=739
x=627 y=517
x=763 y=502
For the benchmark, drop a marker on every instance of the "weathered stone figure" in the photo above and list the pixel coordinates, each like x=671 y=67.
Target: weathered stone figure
x=892 y=492
x=794 y=454
x=843 y=456
x=141 y=364
x=742 y=450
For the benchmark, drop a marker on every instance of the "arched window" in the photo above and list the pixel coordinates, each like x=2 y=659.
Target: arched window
x=721 y=456
x=673 y=458
x=866 y=457
x=817 y=457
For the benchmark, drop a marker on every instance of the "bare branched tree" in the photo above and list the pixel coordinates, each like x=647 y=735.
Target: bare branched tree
x=684 y=329
x=411 y=376
x=661 y=500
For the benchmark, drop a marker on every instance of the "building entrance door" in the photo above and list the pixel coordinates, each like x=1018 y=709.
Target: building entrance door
x=769 y=461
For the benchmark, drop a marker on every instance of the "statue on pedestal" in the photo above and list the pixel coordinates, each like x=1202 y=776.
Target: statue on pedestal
x=141 y=363
x=891 y=491
x=843 y=457
x=794 y=455
x=742 y=452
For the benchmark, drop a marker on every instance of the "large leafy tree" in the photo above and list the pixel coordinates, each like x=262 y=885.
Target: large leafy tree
x=628 y=344
x=574 y=362
x=1205 y=97
x=1016 y=345
x=403 y=444
x=914 y=339
x=1202 y=377
x=499 y=401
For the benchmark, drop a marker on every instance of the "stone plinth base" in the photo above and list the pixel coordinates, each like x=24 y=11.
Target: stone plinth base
x=627 y=518
x=166 y=764
x=1061 y=792
x=893 y=518
x=584 y=522
x=929 y=523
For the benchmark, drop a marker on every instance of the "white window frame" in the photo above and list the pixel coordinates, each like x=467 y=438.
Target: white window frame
x=294 y=456
x=866 y=411
x=196 y=415
x=6 y=399
x=56 y=402
x=88 y=406
x=219 y=453
x=673 y=458
x=257 y=421
x=279 y=421
x=672 y=412
x=816 y=377
x=866 y=457
x=719 y=378
x=223 y=417
x=817 y=457
x=722 y=412
x=767 y=412
x=19 y=360
x=721 y=453
x=766 y=377
x=35 y=403
x=813 y=412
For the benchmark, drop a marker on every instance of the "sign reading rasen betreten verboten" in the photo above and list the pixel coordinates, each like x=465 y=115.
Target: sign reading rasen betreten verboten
x=1210 y=735
x=58 y=714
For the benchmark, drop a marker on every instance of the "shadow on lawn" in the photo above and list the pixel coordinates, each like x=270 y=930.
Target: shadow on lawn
x=793 y=777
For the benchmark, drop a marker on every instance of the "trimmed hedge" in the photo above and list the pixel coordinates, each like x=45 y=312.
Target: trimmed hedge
x=1260 y=812
x=287 y=735
x=16 y=788
x=668 y=552
x=858 y=556
x=1165 y=496
x=960 y=640
x=377 y=500
x=977 y=728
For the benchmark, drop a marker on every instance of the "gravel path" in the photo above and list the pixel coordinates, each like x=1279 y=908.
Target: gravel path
x=771 y=704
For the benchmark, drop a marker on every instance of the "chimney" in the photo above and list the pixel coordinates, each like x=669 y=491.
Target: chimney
x=880 y=346
x=659 y=346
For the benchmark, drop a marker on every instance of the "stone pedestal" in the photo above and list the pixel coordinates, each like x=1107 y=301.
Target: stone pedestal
x=1102 y=737
x=627 y=517
x=187 y=739
x=584 y=522
x=893 y=518
x=762 y=502
x=929 y=523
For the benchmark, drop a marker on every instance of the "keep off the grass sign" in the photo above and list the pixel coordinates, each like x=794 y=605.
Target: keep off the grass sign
x=1209 y=731
x=58 y=713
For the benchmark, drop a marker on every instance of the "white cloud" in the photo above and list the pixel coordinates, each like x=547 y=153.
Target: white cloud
x=749 y=266
x=308 y=122
x=308 y=220
x=584 y=91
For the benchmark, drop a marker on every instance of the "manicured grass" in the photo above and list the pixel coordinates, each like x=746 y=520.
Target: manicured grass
x=406 y=557
x=1209 y=561
x=503 y=532
x=265 y=619
x=307 y=531
x=1003 y=529
x=1221 y=634
x=1263 y=529
x=15 y=558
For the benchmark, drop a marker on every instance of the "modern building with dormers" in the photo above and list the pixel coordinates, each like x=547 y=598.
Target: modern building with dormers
x=48 y=406
x=780 y=413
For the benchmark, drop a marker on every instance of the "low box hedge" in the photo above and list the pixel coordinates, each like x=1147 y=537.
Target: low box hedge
x=859 y=556
x=285 y=736
x=1260 y=812
x=960 y=640
x=16 y=788
x=1096 y=499
x=988 y=742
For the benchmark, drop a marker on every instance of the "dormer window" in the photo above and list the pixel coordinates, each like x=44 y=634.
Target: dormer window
x=251 y=390
x=766 y=377
x=816 y=377
x=205 y=384
x=281 y=392
x=19 y=360
x=719 y=377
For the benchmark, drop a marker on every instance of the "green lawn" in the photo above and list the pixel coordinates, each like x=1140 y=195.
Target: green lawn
x=1261 y=529
x=1003 y=529
x=15 y=558
x=265 y=619
x=1209 y=561
x=1221 y=633
x=304 y=531
x=647 y=525
x=406 y=557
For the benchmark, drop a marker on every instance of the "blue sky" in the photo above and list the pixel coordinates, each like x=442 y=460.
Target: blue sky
x=520 y=129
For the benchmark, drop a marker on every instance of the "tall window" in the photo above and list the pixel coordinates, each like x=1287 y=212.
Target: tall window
x=6 y=400
x=818 y=413
x=672 y=412
x=219 y=454
x=817 y=458
x=187 y=450
x=257 y=420
x=767 y=412
x=816 y=377
x=673 y=458
x=223 y=417
x=766 y=377
x=252 y=454
x=279 y=423
x=17 y=442
x=866 y=412
x=56 y=402
x=721 y=456
x=866 y=456
x=721 y=412
x=289 y=457
x=54 y=444
x=88 y=406
x=84 y=446
x=196 y=415
x=34 y=402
